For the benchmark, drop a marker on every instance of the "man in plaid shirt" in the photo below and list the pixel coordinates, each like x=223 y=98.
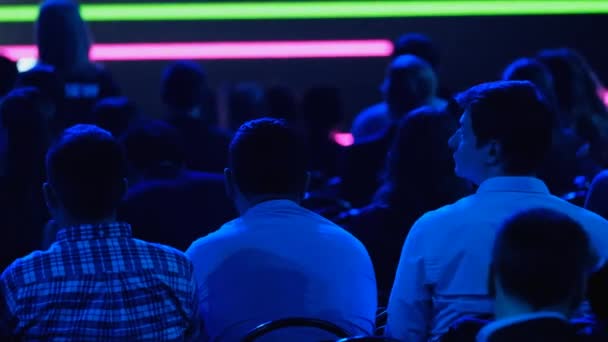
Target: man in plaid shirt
x=96 y=282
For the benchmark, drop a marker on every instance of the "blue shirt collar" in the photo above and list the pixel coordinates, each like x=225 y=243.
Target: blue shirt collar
x=94 y=231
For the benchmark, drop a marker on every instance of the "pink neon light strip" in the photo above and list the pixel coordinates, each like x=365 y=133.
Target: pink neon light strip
x=224 y=50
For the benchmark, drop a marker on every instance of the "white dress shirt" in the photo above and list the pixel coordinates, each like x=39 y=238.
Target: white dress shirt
x=280 y=260
x=443 y=271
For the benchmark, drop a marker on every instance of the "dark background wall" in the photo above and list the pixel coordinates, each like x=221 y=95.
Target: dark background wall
x=474 y=49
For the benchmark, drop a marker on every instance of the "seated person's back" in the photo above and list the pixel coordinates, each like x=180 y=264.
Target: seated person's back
x=169 y=203
x=505 y=132
x=96 y=282
x=278 y=260
x=184 y=85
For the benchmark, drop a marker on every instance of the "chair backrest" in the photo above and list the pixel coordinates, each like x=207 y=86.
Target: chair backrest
x=368 y=339
x=294 y=322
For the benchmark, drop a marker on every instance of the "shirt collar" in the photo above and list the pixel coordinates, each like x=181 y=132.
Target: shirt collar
x=94 y=231
x=491 y=328
x=513 y=184
x=272 y=205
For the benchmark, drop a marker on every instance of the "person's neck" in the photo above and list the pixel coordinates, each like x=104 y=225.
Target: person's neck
x=64 y=222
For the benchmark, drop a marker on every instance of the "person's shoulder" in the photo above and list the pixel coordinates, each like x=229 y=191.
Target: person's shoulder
x=26 y=270
x=216 y=240
x=601 y=179
x=166 y=254
x=449 y=213
x=379 y=108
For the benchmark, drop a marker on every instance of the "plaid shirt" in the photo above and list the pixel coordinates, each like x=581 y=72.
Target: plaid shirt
x=97 y=283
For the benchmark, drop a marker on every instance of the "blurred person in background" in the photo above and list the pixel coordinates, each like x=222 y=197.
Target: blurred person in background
x=184 y=84
x=419 y=177
x=64 y=42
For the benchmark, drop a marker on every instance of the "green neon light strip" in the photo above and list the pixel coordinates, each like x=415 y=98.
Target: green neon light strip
x=315 y=10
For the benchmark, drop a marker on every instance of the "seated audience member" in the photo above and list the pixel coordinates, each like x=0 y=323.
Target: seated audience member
x=64 y=41
x=410 y=83
x=278 y=260
x=114 y=114
x=183 y=87
x=96 y=282
x=47 y=82
x=168 y=203
x=375 y=119
x=580 y=106
x=8 y=75
x=245 y=102
x=25 y=140
x=562 y=165
x=540 y=264
x=419 y=177
x=597 y=196
x=505 y=132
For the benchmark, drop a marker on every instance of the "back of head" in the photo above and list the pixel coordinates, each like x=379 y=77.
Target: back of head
x=576 y=84
x=245 y=102
x=420 y=167
x=530 y=69
x=8 y=75
x=418 y=45
x=322 y=107
x=541 y=258
x=152 y=144
x=410 y=83
x=86 y=168
x=516 y=116
x=62 y=36
x=45 y=79
x=114 y=114
x=267 y=158
x=183 y=86
x=21 y=111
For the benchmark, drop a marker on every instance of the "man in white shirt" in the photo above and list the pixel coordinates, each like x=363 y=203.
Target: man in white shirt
x=278 y=260
x=442 y=276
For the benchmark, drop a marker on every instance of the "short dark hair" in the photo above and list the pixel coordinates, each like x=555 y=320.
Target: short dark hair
x=45 y=79
x=183 y=85
x=542 y=257
x=86 y=168
x=517 y=116
x=266 y=157
x=8 y=70
x=114 y=114
x=149 y=143
x=419 y=45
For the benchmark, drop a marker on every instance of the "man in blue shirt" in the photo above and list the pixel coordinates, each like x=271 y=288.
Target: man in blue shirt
x=278 y=259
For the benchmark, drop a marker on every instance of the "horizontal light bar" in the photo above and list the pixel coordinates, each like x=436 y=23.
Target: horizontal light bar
x=314 y=9
x=223 y=50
